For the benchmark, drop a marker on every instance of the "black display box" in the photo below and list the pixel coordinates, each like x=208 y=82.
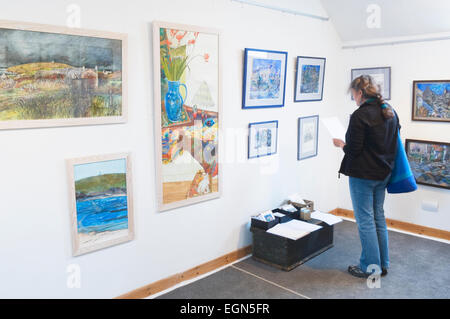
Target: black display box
x=285 y=253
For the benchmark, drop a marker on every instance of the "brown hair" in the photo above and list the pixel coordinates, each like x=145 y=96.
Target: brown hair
x=370 y=89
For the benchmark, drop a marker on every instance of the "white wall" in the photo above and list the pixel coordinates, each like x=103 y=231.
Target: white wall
x=35 y=247
x=414 y=61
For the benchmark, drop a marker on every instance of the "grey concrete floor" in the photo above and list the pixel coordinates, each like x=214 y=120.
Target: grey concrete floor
x=420 y=268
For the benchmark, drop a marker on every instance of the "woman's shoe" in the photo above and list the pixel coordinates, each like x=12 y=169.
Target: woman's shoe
x=357 y=272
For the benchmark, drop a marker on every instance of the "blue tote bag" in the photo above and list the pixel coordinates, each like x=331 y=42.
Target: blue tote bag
x=402 y=179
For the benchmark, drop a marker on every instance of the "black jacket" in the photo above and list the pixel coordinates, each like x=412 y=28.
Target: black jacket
x=371 y=143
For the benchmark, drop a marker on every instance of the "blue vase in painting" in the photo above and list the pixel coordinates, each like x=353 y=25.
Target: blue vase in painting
x=173 y=101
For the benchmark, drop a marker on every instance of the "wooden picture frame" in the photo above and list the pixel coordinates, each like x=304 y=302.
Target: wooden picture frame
x=55 y=86
x=421 y=109
x=97 y=182
x=187 y=113
x=435 y=168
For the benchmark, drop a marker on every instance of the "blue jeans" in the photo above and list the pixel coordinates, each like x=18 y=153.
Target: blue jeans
x=368 y=199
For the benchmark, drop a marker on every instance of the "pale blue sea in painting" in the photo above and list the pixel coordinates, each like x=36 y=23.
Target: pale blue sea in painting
x=102 y=214
x=265 y=79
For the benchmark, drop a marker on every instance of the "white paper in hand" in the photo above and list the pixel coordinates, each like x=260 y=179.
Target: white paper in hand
x=334 y=127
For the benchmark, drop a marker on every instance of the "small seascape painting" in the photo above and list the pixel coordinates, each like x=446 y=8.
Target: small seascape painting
x=101 y=207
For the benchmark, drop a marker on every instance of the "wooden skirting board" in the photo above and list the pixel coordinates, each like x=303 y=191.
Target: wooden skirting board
x=396 y=224
x=171 y=281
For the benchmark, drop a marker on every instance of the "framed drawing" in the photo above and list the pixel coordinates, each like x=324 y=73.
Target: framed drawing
x=381 y=75
x=431 y=101
x=262 y=139
x=101 y=202
x=264 y=78
x=188 y=103
x=309 y=79
x=430 y=162
x=57 y=76
x=308 y=134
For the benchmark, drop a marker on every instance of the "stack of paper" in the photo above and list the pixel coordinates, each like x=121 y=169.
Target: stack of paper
x=296 y=198
x=327 y=218
x=293 y=229
x=288 y=208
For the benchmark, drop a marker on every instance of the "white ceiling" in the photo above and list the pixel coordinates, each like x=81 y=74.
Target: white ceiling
x=398 y=18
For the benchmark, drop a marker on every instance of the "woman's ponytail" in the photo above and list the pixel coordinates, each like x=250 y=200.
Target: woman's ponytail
x=370 y=89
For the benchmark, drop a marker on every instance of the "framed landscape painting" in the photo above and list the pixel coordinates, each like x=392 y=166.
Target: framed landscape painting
x=262 y=139
x=309 y=79
x=308 y=135
x=430 y=162
x=431 y=101
x=264 y=78
x=57 y=76
x=381 y=75
x=101 y=202
x=188 y=102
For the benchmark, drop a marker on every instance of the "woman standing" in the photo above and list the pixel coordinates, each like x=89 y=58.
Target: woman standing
x=370 y=149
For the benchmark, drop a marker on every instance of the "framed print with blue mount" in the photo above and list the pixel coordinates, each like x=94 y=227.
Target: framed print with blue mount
x=309 y=79
x=382 y=77
x=264 y=78
x=262 y=138
x=308 y=134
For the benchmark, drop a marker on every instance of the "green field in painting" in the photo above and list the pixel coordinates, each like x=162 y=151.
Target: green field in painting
x=101 y=184
x=49 y=90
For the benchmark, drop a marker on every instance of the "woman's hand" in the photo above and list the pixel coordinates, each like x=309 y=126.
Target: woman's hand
x=338 y=142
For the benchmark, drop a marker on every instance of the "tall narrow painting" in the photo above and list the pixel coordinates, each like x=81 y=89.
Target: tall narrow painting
x=57 y=76
x=187 y=113
x=101 y=202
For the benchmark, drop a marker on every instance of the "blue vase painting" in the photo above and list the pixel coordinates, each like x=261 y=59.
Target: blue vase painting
x=173 y=101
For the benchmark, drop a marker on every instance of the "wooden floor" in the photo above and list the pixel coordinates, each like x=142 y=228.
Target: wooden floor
x=176 y=191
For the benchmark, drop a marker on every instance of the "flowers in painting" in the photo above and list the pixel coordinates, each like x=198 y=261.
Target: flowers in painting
x=176 y=49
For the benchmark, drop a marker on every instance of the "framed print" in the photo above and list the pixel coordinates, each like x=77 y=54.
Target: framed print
x=188 y=102
x=381 y=75
x=57 y=76
x=264 y=78
x=431 y=101
x=309 y=79
x=308 y=134
x=430 y=162
x=100 y=191
x=262 y=139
